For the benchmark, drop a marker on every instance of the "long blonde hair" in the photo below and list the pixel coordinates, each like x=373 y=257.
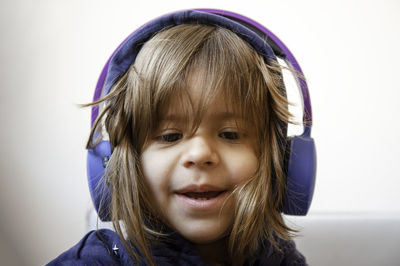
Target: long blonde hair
x=160 y=72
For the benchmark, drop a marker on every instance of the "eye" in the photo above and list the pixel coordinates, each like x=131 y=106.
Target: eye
x=229 y=135
x=170 y=137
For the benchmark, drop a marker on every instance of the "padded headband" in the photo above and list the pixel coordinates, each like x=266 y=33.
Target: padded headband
x=301 y=167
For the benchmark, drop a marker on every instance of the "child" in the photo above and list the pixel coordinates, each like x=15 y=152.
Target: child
x=196 y=116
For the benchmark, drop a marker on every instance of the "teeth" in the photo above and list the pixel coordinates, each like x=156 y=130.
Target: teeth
x=203 y=195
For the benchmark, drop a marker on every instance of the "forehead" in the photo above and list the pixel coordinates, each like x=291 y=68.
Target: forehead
x=217 y=108
x=200 y=94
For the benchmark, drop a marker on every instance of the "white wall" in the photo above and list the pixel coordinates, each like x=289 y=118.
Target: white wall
x=51 y=54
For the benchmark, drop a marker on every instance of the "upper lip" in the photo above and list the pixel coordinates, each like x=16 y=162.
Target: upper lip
x=199 y=188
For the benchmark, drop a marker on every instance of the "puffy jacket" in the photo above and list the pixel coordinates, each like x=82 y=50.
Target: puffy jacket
x=104 y=247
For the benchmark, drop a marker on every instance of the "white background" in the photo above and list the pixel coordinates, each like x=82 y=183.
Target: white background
x=51 y=54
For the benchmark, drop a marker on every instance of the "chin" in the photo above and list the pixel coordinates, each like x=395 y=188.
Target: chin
x=204 y=234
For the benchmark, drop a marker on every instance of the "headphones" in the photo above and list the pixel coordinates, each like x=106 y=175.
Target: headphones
x=301 y=164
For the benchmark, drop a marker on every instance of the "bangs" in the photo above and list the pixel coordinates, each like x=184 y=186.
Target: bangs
x=212 y=60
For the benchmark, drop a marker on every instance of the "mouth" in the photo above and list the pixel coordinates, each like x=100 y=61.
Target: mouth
x=202 y=198
x=206 y=195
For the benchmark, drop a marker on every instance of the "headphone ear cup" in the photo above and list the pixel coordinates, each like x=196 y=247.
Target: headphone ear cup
x=301 y=174
x=97 y=159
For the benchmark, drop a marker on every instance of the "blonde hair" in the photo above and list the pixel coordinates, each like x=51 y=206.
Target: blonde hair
x=227 y=64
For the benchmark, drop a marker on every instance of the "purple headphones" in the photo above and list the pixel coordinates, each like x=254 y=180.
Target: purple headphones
x=301 y=165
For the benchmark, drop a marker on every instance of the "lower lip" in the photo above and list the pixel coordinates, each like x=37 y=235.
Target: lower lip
x=203 y=205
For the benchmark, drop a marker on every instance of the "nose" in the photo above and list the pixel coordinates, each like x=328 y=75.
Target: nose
x=200 y=152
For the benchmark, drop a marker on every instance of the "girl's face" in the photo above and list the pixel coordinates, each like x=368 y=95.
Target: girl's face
x=191 y=176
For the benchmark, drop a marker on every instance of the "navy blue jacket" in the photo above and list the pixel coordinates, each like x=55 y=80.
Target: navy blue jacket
x=104 y=247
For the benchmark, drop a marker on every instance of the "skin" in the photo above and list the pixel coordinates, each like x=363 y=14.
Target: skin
x=219 y=155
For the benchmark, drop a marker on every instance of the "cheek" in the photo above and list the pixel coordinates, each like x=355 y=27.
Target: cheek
x=157 y=168
x=243 y=165
x=152 y=171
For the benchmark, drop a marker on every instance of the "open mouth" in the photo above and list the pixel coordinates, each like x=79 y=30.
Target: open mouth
x=207 y=195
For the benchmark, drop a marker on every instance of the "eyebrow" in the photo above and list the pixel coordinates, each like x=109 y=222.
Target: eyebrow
x=228 y=116
x=219 y=116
